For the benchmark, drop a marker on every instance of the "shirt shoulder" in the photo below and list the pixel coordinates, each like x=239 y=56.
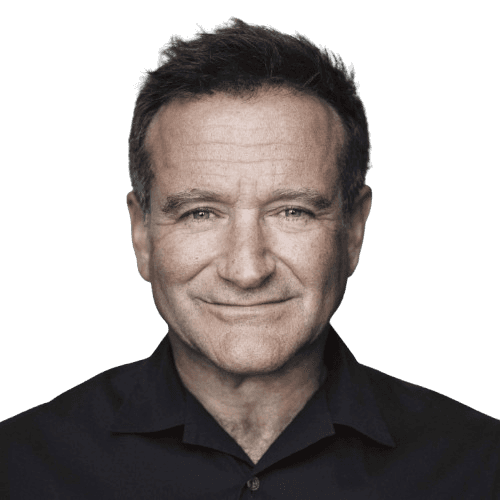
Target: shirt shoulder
x=95 y=400
x=416 y=414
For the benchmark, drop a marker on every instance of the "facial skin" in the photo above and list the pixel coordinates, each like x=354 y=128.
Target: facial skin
x=245 y=247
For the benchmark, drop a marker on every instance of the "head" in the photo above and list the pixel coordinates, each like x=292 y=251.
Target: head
x=248 y=154
x=241 y=59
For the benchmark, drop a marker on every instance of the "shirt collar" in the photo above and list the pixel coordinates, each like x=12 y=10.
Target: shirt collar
x=350 y=396
x=158 y=400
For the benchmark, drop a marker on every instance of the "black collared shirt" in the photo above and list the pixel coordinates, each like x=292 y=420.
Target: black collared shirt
x=135 y=432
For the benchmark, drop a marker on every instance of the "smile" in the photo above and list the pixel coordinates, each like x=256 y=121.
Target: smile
x=256 y=304
x=238 y=310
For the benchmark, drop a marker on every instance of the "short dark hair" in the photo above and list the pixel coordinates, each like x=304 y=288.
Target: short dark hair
x=241 y=59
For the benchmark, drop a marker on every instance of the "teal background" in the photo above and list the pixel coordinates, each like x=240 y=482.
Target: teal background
x=423 y=303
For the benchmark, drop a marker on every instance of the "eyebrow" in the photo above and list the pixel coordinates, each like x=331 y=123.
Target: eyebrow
x=177 y=200
x=306 y=195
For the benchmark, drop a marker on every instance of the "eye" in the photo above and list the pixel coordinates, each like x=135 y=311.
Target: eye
x=199 y=215
x=296 y=214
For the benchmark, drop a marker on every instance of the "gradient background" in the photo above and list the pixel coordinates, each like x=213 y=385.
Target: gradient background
x=423 y=303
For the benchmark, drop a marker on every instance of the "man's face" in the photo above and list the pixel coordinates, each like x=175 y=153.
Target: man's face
x=245 y=246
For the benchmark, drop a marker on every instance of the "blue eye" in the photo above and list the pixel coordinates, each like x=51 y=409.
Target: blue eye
x=297 y=214
x=198 y=215
x=294 y=212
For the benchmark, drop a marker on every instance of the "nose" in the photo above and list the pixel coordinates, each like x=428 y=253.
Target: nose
x=246 y=258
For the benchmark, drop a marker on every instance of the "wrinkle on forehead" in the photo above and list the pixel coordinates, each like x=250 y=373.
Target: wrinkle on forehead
x=233 y=153
x=228 y=129
x=194 y=142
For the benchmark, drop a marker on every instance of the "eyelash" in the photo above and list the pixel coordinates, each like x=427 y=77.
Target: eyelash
x=208 y=210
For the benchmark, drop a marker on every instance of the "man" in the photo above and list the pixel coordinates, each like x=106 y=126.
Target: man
x=248 y=156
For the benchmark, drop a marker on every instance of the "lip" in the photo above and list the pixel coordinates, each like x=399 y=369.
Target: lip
x=271 y=310
x=253 y=304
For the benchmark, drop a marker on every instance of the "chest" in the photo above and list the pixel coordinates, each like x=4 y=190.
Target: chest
x=253 y=439
x=255 y=446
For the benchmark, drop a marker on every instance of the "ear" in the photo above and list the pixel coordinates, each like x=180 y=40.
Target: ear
x=140 y=235
x=356 y=229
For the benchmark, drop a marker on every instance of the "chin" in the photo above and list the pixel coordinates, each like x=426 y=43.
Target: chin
x=248 y=365
x=255 y=353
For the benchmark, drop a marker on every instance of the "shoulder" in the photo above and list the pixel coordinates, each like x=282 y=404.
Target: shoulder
x=67 y=430
x=415 y=414
x=95 y=400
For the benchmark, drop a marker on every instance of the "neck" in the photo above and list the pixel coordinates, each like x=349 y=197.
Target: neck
x=254 y=409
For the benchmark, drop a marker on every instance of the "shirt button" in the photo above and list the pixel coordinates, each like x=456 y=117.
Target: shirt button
x=253 y=483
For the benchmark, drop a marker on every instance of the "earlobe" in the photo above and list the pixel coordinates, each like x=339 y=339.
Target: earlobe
x=356 y=232
x=140 y=235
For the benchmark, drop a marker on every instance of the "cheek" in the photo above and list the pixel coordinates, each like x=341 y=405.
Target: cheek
x=328 y=276
x=177 y=259
x=316 y=259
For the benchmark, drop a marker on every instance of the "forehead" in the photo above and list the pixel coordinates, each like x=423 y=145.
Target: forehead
x=271 y=141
